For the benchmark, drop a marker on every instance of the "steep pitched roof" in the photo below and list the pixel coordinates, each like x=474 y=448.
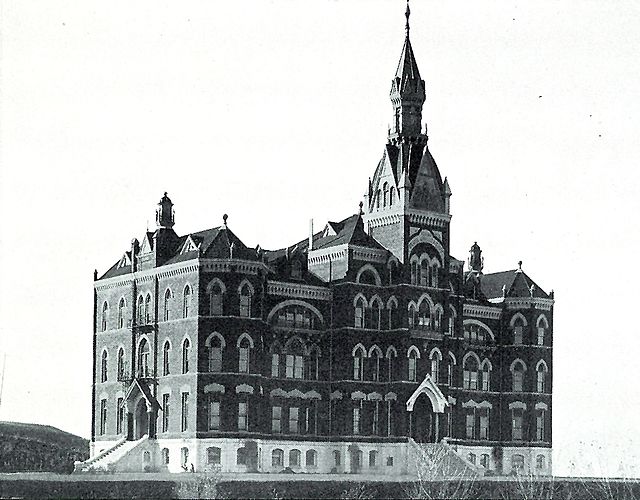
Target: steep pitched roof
x=407 y=77
x=516 y=282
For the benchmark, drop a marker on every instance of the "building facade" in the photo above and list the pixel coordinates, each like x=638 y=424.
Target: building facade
x=340 y=353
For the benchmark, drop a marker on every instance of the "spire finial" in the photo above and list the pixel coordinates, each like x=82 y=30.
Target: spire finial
x=407 y=13
x=360 y=211
x=224 y=219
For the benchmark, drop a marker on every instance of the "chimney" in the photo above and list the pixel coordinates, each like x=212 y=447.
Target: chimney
x=310 y=234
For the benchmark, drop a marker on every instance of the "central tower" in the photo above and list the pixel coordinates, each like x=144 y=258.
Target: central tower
x=407 y=202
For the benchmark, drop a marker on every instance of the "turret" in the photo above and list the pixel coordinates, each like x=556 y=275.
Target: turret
x=164 y=213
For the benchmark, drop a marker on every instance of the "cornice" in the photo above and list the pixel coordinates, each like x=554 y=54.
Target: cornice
x=524 y=302
x=327 y=254
x=298 y=291
x=369 y=254
x=477 y=311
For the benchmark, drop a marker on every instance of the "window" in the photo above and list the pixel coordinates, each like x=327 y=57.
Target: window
x=356 y=420
x=413 y=360
x=413 y=316
x=358 y=363
x=120 y=416
x=275 y=365
x=277 y=458
x=424 y=315
x=243 y=355
x=166 y=348
x=336 y=458
x=103 y=416
x=373 y=458
x=541 y=377
x=186 y=301
x=484 y=424
x=143 y=359
x=389 y=461
x=389 y=418
x=517 y=462
x=392 y=196
x=103 y=323
x=243 y=416
x=486 y=376
x=214 y=414
x=245 y=301
x=103 y=366
x=540 y=462
x=471 y=425
x=424 y=273
x=185 y=411
x=167 y=305
x=472 y=458
x=165 y=456
x=414 y=272
x=392 y=309
x=165 y=412
x=452 y=323
x=437 y=319
x=540 y=418
x=121 y=306
x=518 y=370
x=313 y=363
x=376 y=316
x=542 y=325
x=215 y=354
x=378 y=199
x=376 y=418
x=241 y=456
x=276 y=419
x=184 y=456
x=213 y=455
x=120 y=364
x=390 y=356
x=295 y=362
x=294 y=415
x=294 y=458
x=516 y=425
x=470 y=374
x=450 y=373
x=216 y=300
x=140 y=310
x=434 y=274
x=186 y=348
x=147 y=309
x=484 y=460
x=296 y=269
x=540 y=340
x=297 y=317
x=311 y=458
x=385 y=194
x=435 y=368
x=360 y=308
x=518 y=329
x=374 y=362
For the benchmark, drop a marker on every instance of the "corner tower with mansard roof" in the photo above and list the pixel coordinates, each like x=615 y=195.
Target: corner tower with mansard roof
x=407 y=201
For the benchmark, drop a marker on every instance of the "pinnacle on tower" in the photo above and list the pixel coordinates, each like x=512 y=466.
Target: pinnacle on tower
x=164 y=213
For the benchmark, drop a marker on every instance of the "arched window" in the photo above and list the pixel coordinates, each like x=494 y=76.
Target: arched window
x=103 y=323
x=392 y=310
x=436 y=357
x=213 y=455
x=215 y=354
x=245 y=301
x=143 y=359
x=120 y=364
x=296 y=316
x=373 y=458
x=186 y=348
x=166 y=351
x=358 y=362
x=450 y=365
x=167 y=304
x=294 y=458
x=542 y=326
x=485 y=370
x=186 y=301
x=424 y=315
x=518 y=324
x=103 y=366
x=216 y=299
x=392 y=196
x=437 y=318
x=376 y=315
x=452 y=321
x=378 y=199
x=484 y=460
x=385 y=194
x=412 y=317
x=121 y=306
x=414 y=271
x=517 y=462
x=435 y=269
x=312 y=458
x=243 y=355
x=470 y=373
x=277 y=458
x=375 y=357
x=294 y=358
x=424 y=272
x=165 y=456
x=540 y=462
x=313 y=363
x=413 y=355
x=541 y=377
x=359 y=312
x=184 y=457
x=472 y=458
x=147 y=309
x=517 y=369
x=141 y=310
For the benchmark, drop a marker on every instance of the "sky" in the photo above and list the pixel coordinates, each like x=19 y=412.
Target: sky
x=276 y=112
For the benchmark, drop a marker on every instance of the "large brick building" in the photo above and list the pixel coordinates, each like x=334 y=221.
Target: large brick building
x=338 y=353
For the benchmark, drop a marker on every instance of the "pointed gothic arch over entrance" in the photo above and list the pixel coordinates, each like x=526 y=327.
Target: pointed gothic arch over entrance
x=424 y=407
x=141 y=419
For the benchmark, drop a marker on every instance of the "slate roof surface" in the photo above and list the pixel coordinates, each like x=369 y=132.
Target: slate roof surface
x=517 y=284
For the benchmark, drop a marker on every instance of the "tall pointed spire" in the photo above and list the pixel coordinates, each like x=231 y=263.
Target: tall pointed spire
x=407 y=91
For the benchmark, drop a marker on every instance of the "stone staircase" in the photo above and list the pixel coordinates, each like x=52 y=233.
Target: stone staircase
x=107 y=460
x=434 y=461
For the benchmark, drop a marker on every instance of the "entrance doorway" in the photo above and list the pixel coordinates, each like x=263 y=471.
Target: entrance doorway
x=422 y=421
x=141 y=420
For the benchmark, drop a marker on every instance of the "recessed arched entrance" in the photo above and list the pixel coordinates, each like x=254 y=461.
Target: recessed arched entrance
x=423 y=417
x=141 y=419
